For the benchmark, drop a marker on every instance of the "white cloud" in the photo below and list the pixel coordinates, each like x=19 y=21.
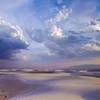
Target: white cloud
x=92 y=47
x=56 y=31
x=52 y=23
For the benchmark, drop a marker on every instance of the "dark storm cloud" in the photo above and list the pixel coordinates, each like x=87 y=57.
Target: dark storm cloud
x=11 y=42
x=9 y=47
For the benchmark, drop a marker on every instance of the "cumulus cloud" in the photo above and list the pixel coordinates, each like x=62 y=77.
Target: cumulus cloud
x=73 y=45
x=65 y=30
x=56 y=31
x=95 y=25
x=11 y=40
x=92 y=47
x=54 y=21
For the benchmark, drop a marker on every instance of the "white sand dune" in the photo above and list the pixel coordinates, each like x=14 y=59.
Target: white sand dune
x=58 y=86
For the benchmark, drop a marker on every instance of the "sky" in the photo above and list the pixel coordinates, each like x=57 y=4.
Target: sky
x=50 y=33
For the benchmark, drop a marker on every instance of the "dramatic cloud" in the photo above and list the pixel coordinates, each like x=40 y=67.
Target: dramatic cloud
x=11 y=40
x=65 y=28
x=80 y=38
x=74 y=45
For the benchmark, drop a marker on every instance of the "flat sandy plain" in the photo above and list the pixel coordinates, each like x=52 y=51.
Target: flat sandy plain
x=48 y=86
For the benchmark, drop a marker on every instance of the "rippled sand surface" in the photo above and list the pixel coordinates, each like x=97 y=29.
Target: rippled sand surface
x=56 y=86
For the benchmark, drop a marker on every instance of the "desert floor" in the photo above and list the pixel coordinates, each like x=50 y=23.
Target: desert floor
x=55 y=86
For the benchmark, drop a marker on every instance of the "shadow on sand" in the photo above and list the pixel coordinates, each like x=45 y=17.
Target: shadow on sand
x=12 y=86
